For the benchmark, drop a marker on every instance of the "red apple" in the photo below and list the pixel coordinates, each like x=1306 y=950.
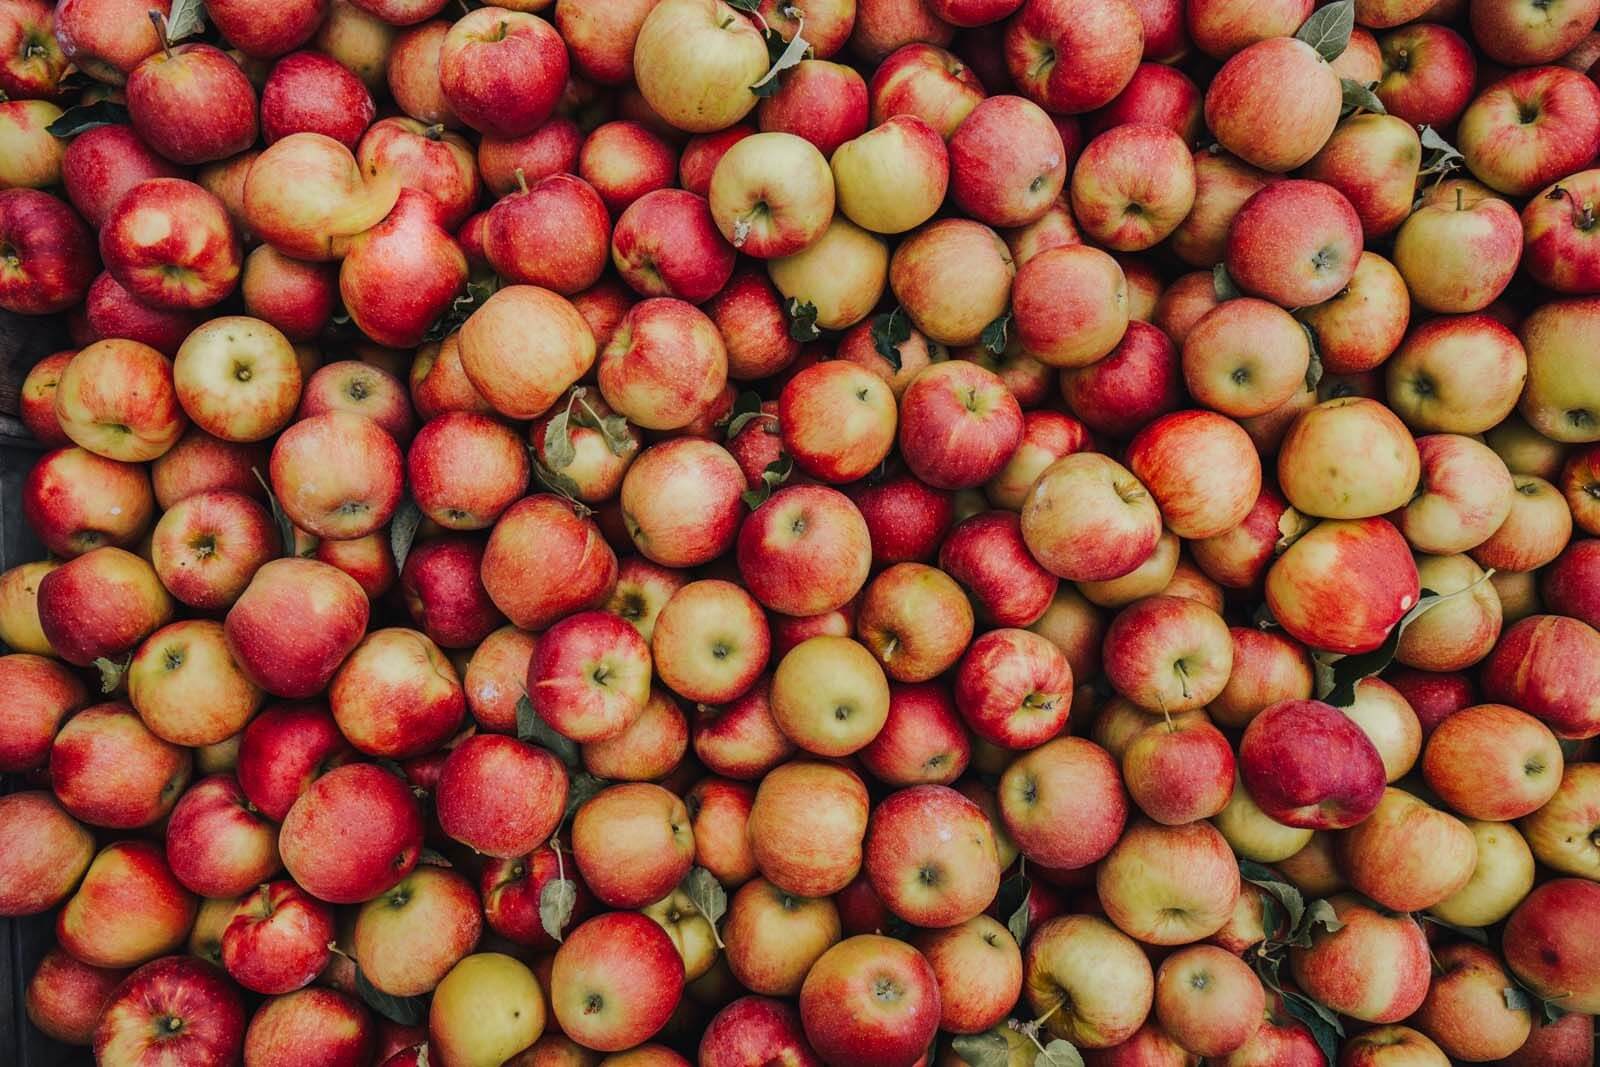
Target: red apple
x=278 y=939
x=871 y=999
x=354 y=833
x=218 y=844
x=616 y=981
x=499 y=796
x=502 y=71
x=177 y=1009
x=192 y=104
x=1285 y=761
x=1073 y=57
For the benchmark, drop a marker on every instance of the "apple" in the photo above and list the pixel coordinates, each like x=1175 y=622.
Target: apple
x=36 y=399
x=443 y=591
x=1458 y=254
x=554 y=233
x=600 y=37
x=915 y=620
x=488 y=1008
x=953 y=278
x=837 y=420
x=1373 y=161
x=1323 y=598
x=892 y=178
x=499 y=796
x=1540 y=948
x=1567 y=1041
x=33 y=155
x=1089 y=982
x=291 y=295
x=307 y=197
x=873 y=998
x=1557 y=402
x=1200 y=469
x=623 y=161
x=1568 y=584
x=1540 y=666
x=616 y=980
x=912 y=862
x=100 y=605
x=352 y=835
x=407 y=939
x=200 y=463
x=710 y=642
x=238 y=378
x=1374 y=967
x=807 y=826
x=1294 y=133
x=218 y=844
x=552 y=148
x=65 y=998
x=741 y=740
x=656 y=492
x=407 y=252
x=841 y=274
x=116 y=398
x=1014 y=688
x=413 y=74
x=1285 y=764
x=308 y=91
x=179 y=1009
x=1219 y=29
x=1245 y=358
x=1399 y=1045
x=756 y=1029
x=925 y=81
x=1208 y=1000
x=1179 y=773
x=664 y=365
x=278 y=939
x=1073 y=58
x=1429 y=376
x=425 y=159
x=100 y=164
x=1361 y=326
x=667 y=244
x=192 y=103
x=590 y=676
x=1136 y=383
x=1063 y=804
x=1383 y=855
x=1554 y=831
x=1530 y=128
x=1167 y=885
x=987 y=554
x=321 y=1025
x=42 y=693
x=979 y=971
x=1313 y=267
x=771 y=195
x=75 y=501
x=502 y=71
x=572 y=569
x=1464 y=1012
x=1114 y=199
x=959 y=425
x=265 y=34
x=1168 y=654
x=47 y=852
x=1081 y=543
x=127 y=910
x=773 y=938
x=1464 y=496
x=1071 y=305
x=749 y=315
x=353 y=501
x=1461 y=631
x=1428 y=74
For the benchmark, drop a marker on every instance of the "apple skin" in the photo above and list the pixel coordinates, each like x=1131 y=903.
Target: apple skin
x=1179 y=773
x=265 y=34
x=773 y=938
x=307 y=197
x=218 y=845
x=664 y=365
x=1568 y=586
x=1083 y=543
x=912 y=862
x=192 y=104
x=282 y=750
x=926 y=81
x=322 y=1026
x=1493 y=744
x=915 y=620
x=953 y=277
x=616 y=981
x=1097 y=976
x=277 y=940
x=1291 y=136
x=1541 y=948
x=41 y=693
x=589 y=677
x=297 y=661
x=637 y=827
x=1400 y=1046
x=294 y=296
x=837 y=420
x=552 y=148
x=1007 y=162
x=1457 y=374
x=1071 y=305
x=979 y=970
x=138 y=1021
x=1555 y=223
x=127 y=910
x=1063 y=803
x=400 y=276
x=101 y=604
x=1314 y=592
x=805 y=551
x=1464 y=1011
x=53 y=253
x=308 y=91
x=502 y=72
x=1374 y=968
x=427 y=161
x=1168 y=654
x=1458 y=255
x=1246 y=358
x=36 y=402
x=1286 y=763
x=499 y=796
x=1201 y=470
x=117 y=399
x=988 y=555
x=1219 y=29
x=554 y=233
x=408 y=938
x=444 y=594
x=1208 y=1000
x=623 y=161
x=1567 y=1042
x=1294 y=267
x=46 y=852
x=75 y=500
x=1168 y=885
x=870 y=1000
x=579 y=570
x=353 y=834
x=1541 y=665
x=1113 y=199
x=1381 y=854
x=200 y=462
x=65 y=997
x=807 y=826
x=948 y=443
x=1102 y=42
x=1373 y=161
x=1518 y=157
x=101 y=164
x=756 y=1030
x=1429 y=71
x=1014 y=688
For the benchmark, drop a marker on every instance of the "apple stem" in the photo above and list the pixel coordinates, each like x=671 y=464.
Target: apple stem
x=1460 y=195
x=1034 y=1026
x=522 y=180
x=434 y=132
x=160 y=22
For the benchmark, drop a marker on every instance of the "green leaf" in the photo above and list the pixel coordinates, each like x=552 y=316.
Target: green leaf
x=407 y=1011
x=1338 y=675
x=186 y=20
x=1287 y=896
x=1323 y=1024
x=532 y=728
x=709 y=898
x=581 y=788
x=802 y=319
x=749 y=7
x=1314 y=365
x=793 y=52
x=460 y=308
x=1328 y=29
x=1439 y=157
x=776 y=473
x=1517 y=998
x=284 y=524
x=1476 y=934
x=1262 y=618
x=555 y=481
x=746 y=406
x=75 y=120
x=1059 y=1053
x=988 y=1049
x=1321 y=913
x=1360 y=97
x=111 y=672
x=556 y=901
x=993 y=337
x=1223 y=285
x=403 y=530
x=889 y=332
x=1012 y=904
x=558 y=449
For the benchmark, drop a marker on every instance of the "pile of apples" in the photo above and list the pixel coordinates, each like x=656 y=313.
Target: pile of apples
x=794 y=532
